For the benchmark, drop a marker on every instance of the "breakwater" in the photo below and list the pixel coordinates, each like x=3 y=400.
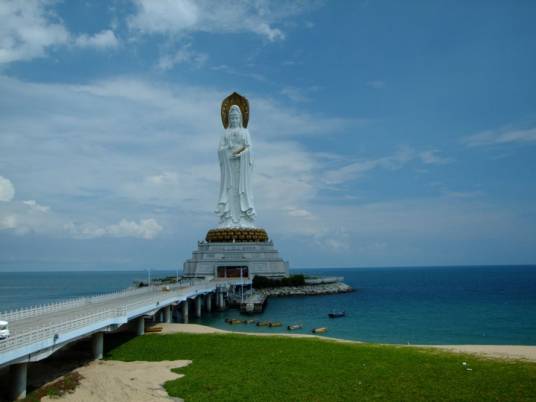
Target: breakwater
x=307 y=290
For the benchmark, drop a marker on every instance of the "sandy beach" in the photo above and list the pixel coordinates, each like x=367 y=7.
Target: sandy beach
x=495 y=351
x=203 y=329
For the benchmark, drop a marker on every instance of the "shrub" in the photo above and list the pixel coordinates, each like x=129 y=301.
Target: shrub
x=260 y=282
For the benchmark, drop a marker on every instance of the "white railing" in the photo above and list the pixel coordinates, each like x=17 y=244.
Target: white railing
x=38 y=310
x=33 y=311
x=54 y=331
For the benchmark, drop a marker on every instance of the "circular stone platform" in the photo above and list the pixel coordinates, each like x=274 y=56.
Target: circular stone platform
x=237 y=235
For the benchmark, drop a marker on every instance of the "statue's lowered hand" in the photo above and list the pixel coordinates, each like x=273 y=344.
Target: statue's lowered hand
x=239 y=151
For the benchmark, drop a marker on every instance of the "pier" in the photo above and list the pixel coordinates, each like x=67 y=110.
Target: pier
x=39 y=331
x=254 y=303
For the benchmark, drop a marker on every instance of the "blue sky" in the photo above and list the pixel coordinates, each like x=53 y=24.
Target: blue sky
x=385 y=133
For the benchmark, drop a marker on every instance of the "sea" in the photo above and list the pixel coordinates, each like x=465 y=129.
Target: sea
x=403 y=305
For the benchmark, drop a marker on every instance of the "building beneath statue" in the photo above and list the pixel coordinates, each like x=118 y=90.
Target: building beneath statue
x=235 y=253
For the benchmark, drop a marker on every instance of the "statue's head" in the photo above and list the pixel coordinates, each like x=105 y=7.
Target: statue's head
x=235 y=117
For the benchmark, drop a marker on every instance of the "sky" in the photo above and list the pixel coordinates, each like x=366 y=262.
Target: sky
x=384 y=133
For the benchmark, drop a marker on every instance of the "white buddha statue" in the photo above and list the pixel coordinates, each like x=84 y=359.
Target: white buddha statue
x=235 y=203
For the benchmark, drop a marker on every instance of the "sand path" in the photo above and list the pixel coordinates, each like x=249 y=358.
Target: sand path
x=115 y=381
x=515 y=352
x=203 y=329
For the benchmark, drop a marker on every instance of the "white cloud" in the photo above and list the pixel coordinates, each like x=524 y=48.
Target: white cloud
x=27 y=29
x=7 y=191
x=35 y=206
x=335 y=239
x=398 y=160
x=164 y=16
x=177 y=17
x=498 y=137
x=299 y=212
x=28 y=217
x=295 y=94
x=146 y=229
x=355 y=170
x=433 y=157
x=183 y=55
x=165 y=178
x=8 y=222
x=101 y=40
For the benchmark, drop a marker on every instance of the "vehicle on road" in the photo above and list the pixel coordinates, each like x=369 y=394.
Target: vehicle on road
x=4 y=330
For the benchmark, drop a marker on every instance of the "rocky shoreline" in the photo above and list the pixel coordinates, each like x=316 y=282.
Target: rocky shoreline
x=307 y=290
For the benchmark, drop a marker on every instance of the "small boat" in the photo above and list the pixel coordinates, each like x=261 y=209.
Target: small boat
x=320 y=330
x=234 y=321
x=263 y=323
x=248 y=321
x=153 y=329
x=337 y=314
x=275 y=324
x=295 y=326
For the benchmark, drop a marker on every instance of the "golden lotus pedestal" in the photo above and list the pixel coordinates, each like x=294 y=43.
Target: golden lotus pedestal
x=236 y=235
x=234 y=253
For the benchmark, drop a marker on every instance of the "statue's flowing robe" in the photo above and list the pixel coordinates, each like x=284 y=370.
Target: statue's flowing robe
x=235 y=202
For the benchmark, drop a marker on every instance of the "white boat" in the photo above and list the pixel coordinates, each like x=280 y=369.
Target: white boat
x=4 y=330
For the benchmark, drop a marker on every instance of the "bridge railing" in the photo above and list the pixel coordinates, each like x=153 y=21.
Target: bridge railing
x=64 y=304
x=55 y=330
x=33 y=311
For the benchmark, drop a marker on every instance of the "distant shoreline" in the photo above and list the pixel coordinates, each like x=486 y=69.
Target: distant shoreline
x=511 y=352
x=296 y=269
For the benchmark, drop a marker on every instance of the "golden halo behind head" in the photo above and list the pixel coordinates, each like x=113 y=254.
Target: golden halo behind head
x=241 y=102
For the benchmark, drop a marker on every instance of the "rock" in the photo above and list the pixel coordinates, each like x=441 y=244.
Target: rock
x=308 y=290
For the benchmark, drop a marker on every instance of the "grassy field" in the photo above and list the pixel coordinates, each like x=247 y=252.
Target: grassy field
x=250 y=368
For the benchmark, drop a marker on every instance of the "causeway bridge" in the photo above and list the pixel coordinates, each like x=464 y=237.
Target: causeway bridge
x=39 y=331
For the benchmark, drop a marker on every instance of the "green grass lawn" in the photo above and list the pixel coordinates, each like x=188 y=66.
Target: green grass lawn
x=230 y=367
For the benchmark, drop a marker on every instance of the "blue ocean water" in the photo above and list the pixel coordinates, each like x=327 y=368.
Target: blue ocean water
x=435 y=305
